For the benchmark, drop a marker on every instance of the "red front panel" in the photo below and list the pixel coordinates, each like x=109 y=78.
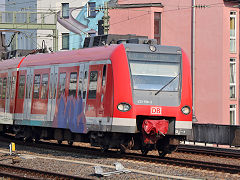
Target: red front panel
x=40 y=91
x=20 y=91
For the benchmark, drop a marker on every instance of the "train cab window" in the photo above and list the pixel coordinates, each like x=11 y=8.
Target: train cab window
x=21 y=87
x=85 y=84
x=104 y=75
x=13 y=87
x=36 y=86
x=61 y=85
x=44 y=87
x=73 y=84
x=93 y=85
x=1 y=87
x=4 y=88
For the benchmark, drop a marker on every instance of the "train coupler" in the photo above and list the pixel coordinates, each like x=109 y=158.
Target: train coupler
x=154 y=130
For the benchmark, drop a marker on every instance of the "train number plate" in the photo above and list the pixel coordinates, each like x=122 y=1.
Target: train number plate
x=156 y=110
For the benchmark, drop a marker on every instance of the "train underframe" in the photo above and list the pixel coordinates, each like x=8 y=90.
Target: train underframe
x=144 y=140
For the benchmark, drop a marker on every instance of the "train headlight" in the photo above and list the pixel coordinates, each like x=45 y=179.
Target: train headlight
x=186 y=110
x=124 y=107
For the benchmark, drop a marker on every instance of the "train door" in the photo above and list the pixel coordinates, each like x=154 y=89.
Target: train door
x=3 y=86
x=13 y=91
x=20 y=96
x=7 y=101
x=3 y=89
x=28 y=95
x=85 y=85
x=39 y=105
x=93 y=97
x=52 y=92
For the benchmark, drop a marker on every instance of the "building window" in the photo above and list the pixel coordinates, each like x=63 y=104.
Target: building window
x=65 y=10
x=233 y=114
x=157 y=27
x=65 y=41
x=232 y=78
x=233 y=26
x=92 y=9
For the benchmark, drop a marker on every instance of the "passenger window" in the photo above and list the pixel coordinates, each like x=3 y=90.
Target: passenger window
x=4 y=88
x=93 y=85
x=80 y=85
x=73 y=84
x=104 y=75
x=36 y=86
x=0 y=87
x=44 y=87
x=13 y=87
x=61 y=85
x=85 y=84
x=21 y=87
x=9 y=82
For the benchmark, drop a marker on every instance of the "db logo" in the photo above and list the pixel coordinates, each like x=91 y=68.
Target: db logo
x=156 y=110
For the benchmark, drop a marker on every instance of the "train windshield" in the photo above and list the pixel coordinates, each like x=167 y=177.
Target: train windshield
x=155 y=75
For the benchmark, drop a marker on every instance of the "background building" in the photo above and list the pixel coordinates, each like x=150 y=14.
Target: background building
x=53 y=11
x=208 y=32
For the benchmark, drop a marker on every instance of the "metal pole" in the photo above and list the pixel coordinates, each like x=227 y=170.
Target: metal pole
x=106 y=18
x=193 y=55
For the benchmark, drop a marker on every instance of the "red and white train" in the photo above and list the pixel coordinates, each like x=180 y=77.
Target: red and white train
x=135 y=96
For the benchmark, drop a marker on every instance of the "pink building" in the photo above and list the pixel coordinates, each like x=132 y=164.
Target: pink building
x=208 y=31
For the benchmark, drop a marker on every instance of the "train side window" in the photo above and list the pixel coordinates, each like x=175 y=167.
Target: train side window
x=85 y=84
x=13 y=87
x=61 y=85
x=36 y=86
x=9 y=82
x=44 y=87
x=1 y=87
x=93 y=85
x=104 y=75
x=73 y=84
x=4 y=88
x=21 y=87
x=80 y=85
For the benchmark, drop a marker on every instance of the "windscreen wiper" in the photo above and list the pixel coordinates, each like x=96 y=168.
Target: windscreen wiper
x=166 y=84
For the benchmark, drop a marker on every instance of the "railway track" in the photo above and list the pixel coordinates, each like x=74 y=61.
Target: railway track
x=226 y=168
x=16 y=172
x=213 y=151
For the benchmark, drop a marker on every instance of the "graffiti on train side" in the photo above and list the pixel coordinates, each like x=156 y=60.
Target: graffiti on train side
x=70 y=114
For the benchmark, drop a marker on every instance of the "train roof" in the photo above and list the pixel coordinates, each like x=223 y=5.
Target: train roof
x=61 y=57
x=81 y=55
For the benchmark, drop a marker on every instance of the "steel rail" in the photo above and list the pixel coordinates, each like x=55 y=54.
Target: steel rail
x=233 y=169
x=211 y=151
x=27 y=173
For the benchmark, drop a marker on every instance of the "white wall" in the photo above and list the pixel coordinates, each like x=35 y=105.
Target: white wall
x=56 y=5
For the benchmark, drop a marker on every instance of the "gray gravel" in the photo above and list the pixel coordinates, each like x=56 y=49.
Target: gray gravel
x=73 y=168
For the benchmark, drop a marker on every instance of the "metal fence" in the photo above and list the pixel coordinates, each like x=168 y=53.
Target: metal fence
x=216 y=134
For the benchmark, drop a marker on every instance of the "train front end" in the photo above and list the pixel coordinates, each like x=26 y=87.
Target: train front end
x=161 y=96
